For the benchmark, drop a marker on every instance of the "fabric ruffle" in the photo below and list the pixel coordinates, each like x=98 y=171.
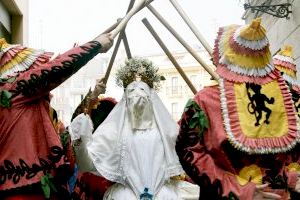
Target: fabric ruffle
x=16 y=58
x=254 y=45
x=284 y=58
x=227 y=74
x=296 y=88
x=247 y=51
x=253 y=31
x=242 y=62
x=284 y=62
x=263 y=145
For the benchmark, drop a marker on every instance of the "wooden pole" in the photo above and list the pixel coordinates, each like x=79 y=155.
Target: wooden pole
x=184 y=43
x=192 y=26
x=115 y=51
x=137 y=6
x=168 y=53
x=126 y=44
x=112 y=59
x=112 y=27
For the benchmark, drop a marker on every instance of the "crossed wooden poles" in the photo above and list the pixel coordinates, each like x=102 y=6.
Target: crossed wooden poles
x=133 y=8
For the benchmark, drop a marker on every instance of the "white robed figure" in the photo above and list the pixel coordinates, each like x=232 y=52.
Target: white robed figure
x=134 y=146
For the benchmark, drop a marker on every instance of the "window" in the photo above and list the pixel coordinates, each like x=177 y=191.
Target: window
x=174 y=85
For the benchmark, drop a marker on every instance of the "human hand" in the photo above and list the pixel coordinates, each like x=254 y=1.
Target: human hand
x=106 y=42
x=99 y=88
x=261 y=195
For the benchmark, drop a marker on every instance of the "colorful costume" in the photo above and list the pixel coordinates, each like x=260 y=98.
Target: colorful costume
x=30 y=147
x=135 y=145
x=244 y=131
x=284 y=62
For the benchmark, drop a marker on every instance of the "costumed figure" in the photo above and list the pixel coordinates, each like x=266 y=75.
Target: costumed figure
x=239 y=138
x=89 y=186
x=135 y=145
x=284 y=62
x=31 y=154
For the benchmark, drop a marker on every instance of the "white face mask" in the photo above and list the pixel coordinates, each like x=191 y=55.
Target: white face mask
x=139 y=105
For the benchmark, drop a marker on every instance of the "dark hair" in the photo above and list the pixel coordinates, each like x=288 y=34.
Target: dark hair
x=99 y=114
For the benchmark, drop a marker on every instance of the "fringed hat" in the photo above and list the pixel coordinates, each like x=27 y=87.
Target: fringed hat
x=16 y=58
x=284 y=62
x=242 y=54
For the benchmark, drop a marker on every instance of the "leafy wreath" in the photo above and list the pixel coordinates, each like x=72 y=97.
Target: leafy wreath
x=138 y=67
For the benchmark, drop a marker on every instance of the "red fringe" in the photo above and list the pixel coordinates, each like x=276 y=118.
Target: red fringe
x=254 y=143
x=247 y=51
x=10 y=54
x=216 y=51
x=13 y=52
x=285 y=64
x=225 y=73
x=296 y=88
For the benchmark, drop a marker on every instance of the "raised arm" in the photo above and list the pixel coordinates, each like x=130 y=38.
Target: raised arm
x=45 y=77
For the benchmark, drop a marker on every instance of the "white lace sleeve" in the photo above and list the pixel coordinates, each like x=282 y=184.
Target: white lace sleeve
x=82 y=128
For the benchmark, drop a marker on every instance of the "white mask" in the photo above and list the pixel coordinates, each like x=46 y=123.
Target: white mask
x=139 y=105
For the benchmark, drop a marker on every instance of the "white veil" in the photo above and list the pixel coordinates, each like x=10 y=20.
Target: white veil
x=107 y=149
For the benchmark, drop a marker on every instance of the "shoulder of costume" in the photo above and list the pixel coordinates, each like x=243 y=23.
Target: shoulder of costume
x=15 y=58
x=244 y=63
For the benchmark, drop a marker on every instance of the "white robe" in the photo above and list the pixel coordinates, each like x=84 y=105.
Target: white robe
x=145 y=169
x=134 y=159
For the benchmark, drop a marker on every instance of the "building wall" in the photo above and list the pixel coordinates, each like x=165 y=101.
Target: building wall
x=280 y=31
x=14 y=21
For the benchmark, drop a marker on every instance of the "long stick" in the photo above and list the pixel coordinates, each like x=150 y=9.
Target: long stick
x=126 y=44
x=111 y=62
x=192 y=26
x=115 y=51
x=183 y=42
x=112 y=27
x=168 y=53
x=124 y=21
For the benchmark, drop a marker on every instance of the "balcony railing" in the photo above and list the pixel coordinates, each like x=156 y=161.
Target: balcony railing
x=174 y=91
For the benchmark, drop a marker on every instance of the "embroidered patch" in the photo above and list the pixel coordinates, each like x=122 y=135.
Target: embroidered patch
x=259 y=109
x=259 y=118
